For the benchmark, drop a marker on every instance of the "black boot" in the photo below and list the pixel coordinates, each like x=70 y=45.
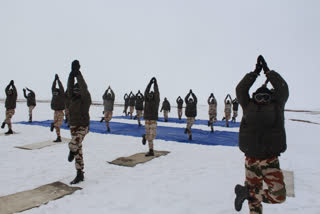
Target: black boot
x=150 y=153
x=135 y=117
x=71 y=156
x=58 y=139
x=212 y=129
x=108 y=129
x=209 y=123
x=3 y=125
x=30 y=119
x=144 y=140
x=102 y=119
x=190 y=137
x=139 y=123
x=223 y=118
x=9 y=132
x=51 y=127
x=165 y=120
x=242 y=193
x=78 y=178
x=186 y=131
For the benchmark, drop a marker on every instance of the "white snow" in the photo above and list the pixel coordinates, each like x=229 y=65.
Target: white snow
x=191 y=179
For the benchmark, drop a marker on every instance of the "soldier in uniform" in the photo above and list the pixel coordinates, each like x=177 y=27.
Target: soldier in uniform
x=10 y=104
x=235 y=106
x=31 y=101
x=166 y=109
x=191 y=111
x=227 y=109
x=126 y=104
x=179 y=104
x=262 y=139
x=139 y=106
x=80 y=101
x=212 y=102
x=108 y=103
x=132 y=103
x=58 y=105
x=151 y=108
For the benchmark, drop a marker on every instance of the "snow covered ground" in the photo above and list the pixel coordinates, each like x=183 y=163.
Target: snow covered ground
x=191 y=179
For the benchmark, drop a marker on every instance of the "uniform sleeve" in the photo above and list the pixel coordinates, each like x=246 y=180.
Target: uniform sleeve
x=281 y=90
x=242 y=89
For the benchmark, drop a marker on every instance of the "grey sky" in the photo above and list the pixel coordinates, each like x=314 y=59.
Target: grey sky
x=204 y=45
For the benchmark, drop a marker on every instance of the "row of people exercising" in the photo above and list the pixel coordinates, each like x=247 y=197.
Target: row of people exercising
x=262 y=136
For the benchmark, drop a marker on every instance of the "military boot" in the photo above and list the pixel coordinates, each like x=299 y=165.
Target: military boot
x=144 y=140
x=242 y=193
x=3 y=125
x=58 y=139
x=150 y=153
x=79 y=177
x=9 y=132
x=51 y=127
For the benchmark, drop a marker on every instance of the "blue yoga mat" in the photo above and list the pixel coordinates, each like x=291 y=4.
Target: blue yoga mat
x=199 y=136
x=184 y=121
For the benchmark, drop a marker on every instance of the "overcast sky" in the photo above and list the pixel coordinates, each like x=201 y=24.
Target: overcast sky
x=204 y=45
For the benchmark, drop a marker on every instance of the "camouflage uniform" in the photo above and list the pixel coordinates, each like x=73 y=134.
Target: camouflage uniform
x=190 y=122
x=9 y=115
x=212 y=110
x=151 y=131
x=191 y=111
x=180 y=104
x=78 y=133
x=10 y=103
x=30 y=111
x=227 y=111
x=58 y=120
x=262 y=138
x=139 y=114
x=107 y=116
x=268 y=171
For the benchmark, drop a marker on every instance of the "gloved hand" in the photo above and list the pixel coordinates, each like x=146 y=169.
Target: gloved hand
x=190 y=91
x=263 y=64
x=24 y=90
x=56 y=77
x=258 y=68
x=11 y=82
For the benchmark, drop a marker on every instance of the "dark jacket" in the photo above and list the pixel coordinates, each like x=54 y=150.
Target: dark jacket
x=132 y=99
x=165 y=106
x=191 y=107
x=262 y=134
x=11 y=99
x=58 y=101
x=179 y=102
x=79 y=106
x=139 y=101
x=31 y=98
x=151 y=105
x=235 y=105
x=108 y=102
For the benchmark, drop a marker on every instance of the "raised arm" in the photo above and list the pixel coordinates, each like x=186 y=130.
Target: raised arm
x=112 y=94
x=156 y=90
x=54 y=85
x=148 y=88
x=281 y=90
x=82 y=84
x=61 y=89
x=187 y=97
x=194 y=97
x=24 y=93
x=70 y=85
